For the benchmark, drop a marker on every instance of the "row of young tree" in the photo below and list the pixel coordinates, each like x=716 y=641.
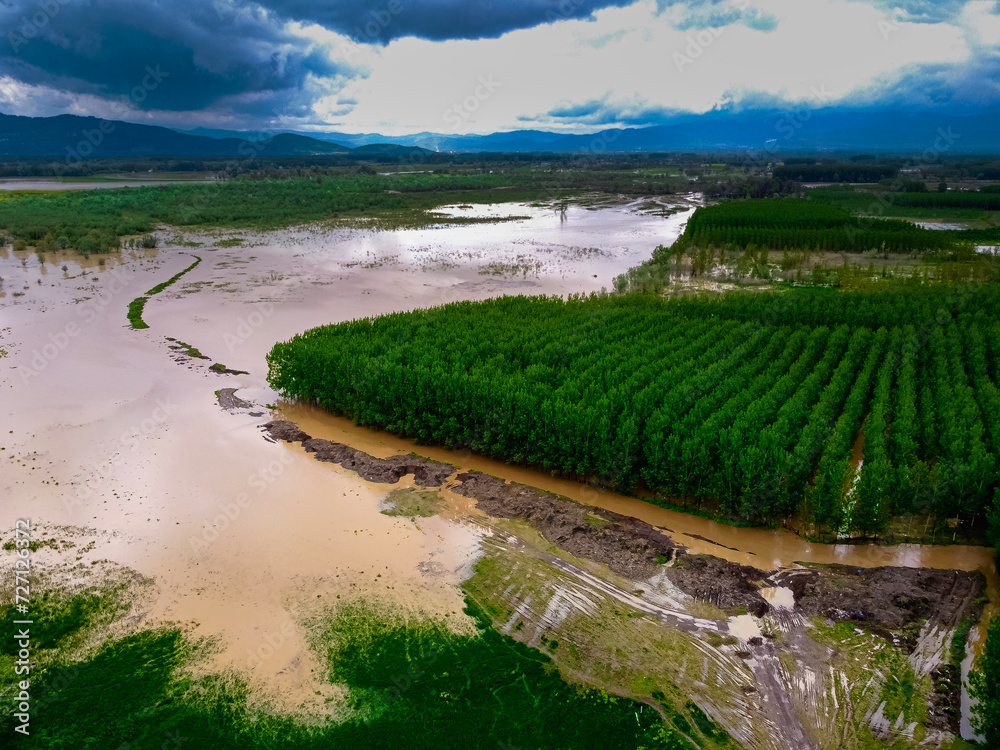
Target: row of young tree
x=845 y=172
x=788 y=223
x=750 y=410
x=987 y=201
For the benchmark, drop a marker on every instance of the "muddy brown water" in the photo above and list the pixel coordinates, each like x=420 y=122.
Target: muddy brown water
x=761 y=548
x=110 y=436
x=115 y=441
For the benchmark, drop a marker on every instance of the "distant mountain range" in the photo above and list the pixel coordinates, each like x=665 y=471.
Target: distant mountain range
x=76 y=138
x=769 y=131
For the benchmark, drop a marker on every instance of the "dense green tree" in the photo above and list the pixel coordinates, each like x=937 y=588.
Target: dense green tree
x=747 y=404
x=984 y=685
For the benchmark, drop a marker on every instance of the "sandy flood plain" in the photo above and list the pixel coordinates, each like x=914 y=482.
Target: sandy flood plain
x=115 y=442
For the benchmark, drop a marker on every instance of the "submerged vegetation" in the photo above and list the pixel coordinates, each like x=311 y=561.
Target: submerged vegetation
x=749 y=405
x=418 y=680
x=136 y=306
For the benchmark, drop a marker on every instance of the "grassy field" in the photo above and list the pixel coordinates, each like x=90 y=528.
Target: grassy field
x=419 y=680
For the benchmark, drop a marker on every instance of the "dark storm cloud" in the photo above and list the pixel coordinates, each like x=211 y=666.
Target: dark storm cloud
x=384 y=20
x=196 y=56
x=971 y=85
x=604 y=113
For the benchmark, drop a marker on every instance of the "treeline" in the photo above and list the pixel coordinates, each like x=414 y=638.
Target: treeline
x=749 y=405
x=844 y=172
x=94 y=220
x=987 y=201
x=751 y=186
x=980 y=236
x=795 y=224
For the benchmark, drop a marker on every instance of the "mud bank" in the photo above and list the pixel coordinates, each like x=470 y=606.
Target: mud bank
x=426 y=473
x=887 y=598
x=884 y=600
x=628 y=546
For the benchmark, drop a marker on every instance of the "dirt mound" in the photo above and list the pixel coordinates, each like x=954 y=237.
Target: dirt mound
x=630 y=547
x=229 y=401
x=719 y=582
x=426 y=473
x=880 y=599
x=885 y=598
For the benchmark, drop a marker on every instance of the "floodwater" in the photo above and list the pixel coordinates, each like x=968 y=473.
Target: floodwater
x=108 y=438
x=768 y=549
x=112 y=443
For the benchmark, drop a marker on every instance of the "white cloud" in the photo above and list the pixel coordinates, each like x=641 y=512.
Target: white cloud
x=982 y=22
x=634 y=59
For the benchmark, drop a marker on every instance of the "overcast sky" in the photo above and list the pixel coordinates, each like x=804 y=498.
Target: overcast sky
x=478 y=66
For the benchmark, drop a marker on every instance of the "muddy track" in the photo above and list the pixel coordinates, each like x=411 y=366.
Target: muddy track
x=886 y=598
x=630 y=547
x=881 y=600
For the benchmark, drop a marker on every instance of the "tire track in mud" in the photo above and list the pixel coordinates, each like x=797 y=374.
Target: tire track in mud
x=814 y=696
x=785 y=724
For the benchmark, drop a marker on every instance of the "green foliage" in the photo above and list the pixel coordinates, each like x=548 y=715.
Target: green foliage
x=92 y=221
x=791 y=223
x=744 y=404
x=986 y=201
x=53 y=619
x=957 y=649
x=160 y=287
x=135 y=308
x=985 y=687
x=833 y=172
x=993 y=518
x=705 y=725
x=418 y=681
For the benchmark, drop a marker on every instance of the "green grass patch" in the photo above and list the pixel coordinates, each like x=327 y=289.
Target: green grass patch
x=956 y=650
x=417 y=680
x=54 y=617
x=410 y=502
x=160 y=287
x=135 y=308
x=189 y=350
